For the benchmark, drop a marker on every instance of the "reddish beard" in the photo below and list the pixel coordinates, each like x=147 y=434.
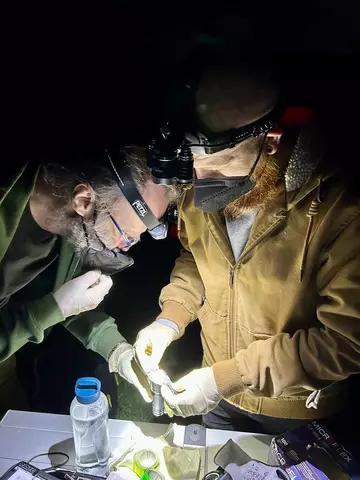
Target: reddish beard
x=267 y=177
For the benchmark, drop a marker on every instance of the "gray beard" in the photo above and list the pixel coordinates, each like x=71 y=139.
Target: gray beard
x=85 y=233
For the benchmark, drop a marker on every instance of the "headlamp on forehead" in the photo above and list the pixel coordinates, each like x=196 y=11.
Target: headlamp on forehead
x=203 y=144
x=170 y=154
x=122 y=174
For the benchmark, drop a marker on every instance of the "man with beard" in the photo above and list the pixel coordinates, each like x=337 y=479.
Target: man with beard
x=63 y=225
x=270 y=265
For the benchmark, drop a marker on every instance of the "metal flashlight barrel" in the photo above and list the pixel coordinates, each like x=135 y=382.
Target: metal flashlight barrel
x=158 y=404
x=157 y=378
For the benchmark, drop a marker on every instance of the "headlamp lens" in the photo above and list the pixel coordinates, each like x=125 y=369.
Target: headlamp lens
x=159 y=232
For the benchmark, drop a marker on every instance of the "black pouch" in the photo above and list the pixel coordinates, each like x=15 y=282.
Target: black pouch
x=109 y=262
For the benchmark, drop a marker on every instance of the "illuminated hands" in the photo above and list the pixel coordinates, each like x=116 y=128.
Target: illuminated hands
x=194 y=394
x=83 y=293
x=151 y=343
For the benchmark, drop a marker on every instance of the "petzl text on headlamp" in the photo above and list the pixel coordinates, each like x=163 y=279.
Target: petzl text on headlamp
x=122 y=174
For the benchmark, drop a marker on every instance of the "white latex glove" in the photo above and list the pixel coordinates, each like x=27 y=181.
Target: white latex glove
x=83 y=293
x=151 y=343
x=198 y=393
x=122 y=361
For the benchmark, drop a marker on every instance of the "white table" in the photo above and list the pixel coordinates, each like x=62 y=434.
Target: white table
x=25 y=434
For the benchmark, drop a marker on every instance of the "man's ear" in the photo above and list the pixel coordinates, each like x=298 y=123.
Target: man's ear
x=272 y=141
x=83 y=199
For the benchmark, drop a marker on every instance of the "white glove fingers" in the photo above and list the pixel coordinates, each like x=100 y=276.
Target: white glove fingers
x=142 y=390
x=173 y=400
x=179 y=385
x=121 y=361
x=97 y=292
x=151 y=344
x=89 y=278
x=146 y=354
x=82 y=293
x=147 y=362
x=199 y=397
x=102 y=286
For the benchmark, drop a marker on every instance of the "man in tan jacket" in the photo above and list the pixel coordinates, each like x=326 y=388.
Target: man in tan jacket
x=270 y=265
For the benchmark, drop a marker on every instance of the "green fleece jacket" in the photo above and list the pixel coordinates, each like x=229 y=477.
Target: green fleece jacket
x=27 y=322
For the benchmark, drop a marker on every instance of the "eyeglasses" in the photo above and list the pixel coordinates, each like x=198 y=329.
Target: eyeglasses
x=129 y=243
x=158 y=233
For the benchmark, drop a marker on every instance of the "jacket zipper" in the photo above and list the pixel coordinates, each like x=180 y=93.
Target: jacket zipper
x=231 y=280
x=231 y=334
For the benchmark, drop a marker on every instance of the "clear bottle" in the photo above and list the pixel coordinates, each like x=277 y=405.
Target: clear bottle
x=89 y=413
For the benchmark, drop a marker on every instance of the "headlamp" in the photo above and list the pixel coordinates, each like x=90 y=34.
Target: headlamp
x=122 y=173
x=170 y=153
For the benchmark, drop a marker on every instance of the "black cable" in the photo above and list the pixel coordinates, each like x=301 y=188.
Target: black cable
x=61 y=464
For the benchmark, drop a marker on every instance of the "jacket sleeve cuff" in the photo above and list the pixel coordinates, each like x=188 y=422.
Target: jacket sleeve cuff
x=177 y=313
x=107 y=342
x=45 y=312
x=228 y=378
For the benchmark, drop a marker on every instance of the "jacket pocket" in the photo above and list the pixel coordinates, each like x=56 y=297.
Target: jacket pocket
x=213 y=334
x=248 y=337
x=217 y=303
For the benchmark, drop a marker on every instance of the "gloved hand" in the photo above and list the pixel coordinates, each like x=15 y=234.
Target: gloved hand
x=198 y=393
x=151 y=343
x=122 y=361
x=82 y=293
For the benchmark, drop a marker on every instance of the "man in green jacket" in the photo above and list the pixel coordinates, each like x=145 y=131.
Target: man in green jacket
x=63 y=227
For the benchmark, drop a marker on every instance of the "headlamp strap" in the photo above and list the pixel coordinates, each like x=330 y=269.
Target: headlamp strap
x=130 y=191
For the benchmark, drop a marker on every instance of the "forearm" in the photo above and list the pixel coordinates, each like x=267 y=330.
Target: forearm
x=97 y=331
x=182 y=298
x=26 y=322
x=311 y=359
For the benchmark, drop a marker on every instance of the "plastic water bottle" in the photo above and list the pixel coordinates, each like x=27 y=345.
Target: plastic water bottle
x=89 y=413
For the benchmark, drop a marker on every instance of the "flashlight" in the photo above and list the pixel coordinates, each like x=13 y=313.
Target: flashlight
x=158 y=378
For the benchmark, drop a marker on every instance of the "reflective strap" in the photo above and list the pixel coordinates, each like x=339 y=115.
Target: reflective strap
x=131 y=193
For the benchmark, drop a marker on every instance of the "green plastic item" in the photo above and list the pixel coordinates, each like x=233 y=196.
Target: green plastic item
x=152 y=474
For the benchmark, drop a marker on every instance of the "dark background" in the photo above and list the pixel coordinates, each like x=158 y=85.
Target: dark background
x=93 y=74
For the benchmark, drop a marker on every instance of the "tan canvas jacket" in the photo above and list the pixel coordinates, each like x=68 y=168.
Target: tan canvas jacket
x=284 y=321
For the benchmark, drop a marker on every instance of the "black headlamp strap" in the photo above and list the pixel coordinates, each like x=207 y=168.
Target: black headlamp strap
x=234 y=136
x=131 y=193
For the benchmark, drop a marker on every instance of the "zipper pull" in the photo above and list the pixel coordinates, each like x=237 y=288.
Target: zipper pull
x=231 y=280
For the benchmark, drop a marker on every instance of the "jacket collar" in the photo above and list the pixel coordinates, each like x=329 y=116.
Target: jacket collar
x=273 y=214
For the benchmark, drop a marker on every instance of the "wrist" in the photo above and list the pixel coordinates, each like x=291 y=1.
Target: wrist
x=117 y=353
x=170 y=324
x=177 y=313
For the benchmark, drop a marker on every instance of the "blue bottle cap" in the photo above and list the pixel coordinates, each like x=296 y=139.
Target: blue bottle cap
x=87 y=390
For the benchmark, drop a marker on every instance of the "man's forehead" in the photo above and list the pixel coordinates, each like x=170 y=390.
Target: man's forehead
x=156 y=197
